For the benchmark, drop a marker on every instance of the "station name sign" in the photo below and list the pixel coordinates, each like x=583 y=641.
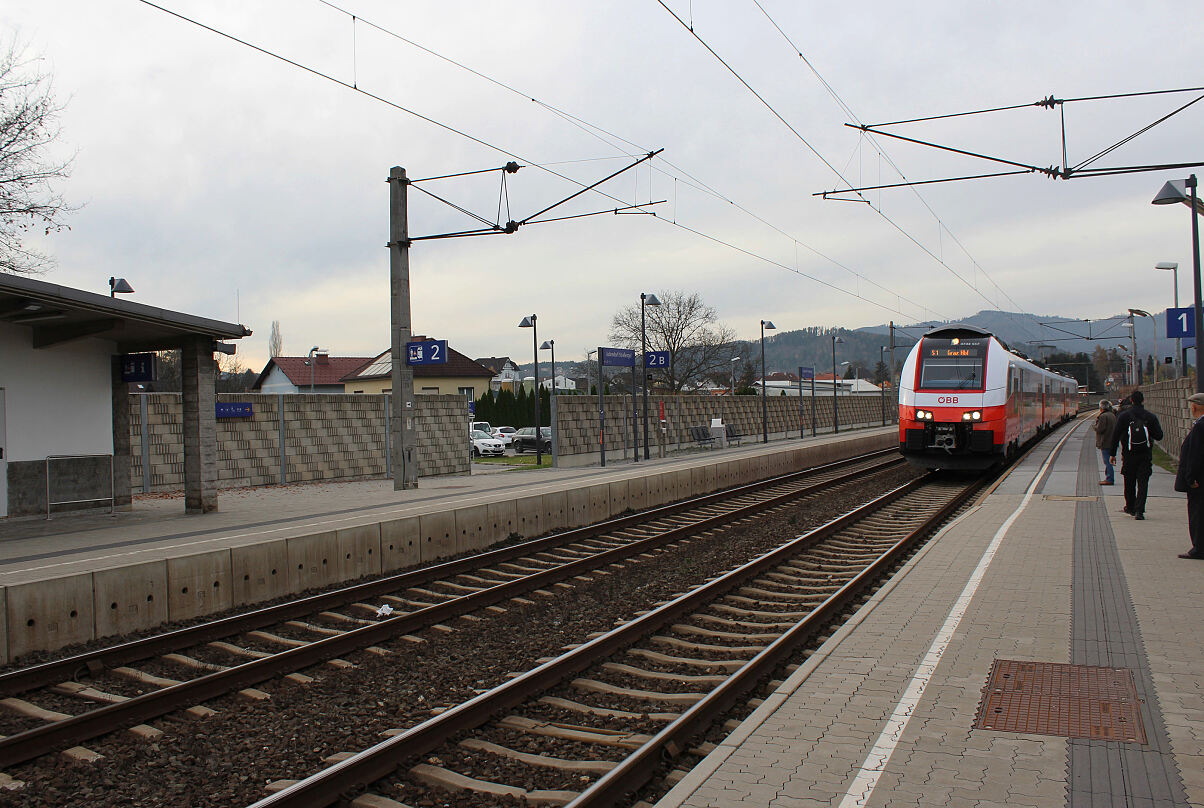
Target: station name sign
x=617 y=357
x=805 y=373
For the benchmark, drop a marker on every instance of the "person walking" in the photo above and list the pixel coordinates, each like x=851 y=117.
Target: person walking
x=1136 y=430
x=1105 y=424
x=1190 y=477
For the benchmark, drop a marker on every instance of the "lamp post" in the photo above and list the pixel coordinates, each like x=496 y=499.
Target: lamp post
x=550 y=345
x=835 y=412
x=1173 y=266
x=309 y=360
x=735 y=359
x=1126 y=363
x=529 y=322
x=882 y=361
x=764 y=392
x=1133 y=360
x=645 y=300
x=1184 y=191
x=1143 y=313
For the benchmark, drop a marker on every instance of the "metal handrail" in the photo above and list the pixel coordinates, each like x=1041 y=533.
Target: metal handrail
x=112 y=497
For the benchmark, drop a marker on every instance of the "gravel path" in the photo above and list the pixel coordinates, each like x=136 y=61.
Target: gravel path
x=228 y=758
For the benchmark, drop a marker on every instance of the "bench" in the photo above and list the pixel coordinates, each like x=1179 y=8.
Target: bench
x=734 y=435
x=702 y=436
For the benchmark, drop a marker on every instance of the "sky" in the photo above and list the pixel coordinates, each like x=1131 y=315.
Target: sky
x=227 y=183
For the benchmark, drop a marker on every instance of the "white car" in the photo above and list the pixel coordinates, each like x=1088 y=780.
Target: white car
x=504 y=433
x=483 y=444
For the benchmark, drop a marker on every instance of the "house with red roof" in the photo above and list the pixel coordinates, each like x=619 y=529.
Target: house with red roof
x=458 y=375
x=295 y=374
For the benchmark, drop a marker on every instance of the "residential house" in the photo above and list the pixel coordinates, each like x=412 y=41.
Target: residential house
x=295 y=374
x=505 y=372
x=458 y=375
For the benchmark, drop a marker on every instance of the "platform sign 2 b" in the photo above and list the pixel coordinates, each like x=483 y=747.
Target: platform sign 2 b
x=428 y=352
x=656 y=359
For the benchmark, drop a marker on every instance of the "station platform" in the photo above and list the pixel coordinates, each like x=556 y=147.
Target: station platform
x=79 y=576
x=1043 y=573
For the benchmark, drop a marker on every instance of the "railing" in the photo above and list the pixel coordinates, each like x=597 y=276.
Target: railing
x=112 y=497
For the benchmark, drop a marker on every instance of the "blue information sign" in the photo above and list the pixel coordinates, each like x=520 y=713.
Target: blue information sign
x=234 y=409
x=139 y=367
x=430 y=352
x=656 y=359
x=618 y=358
x=806 y=373
x=1181 y=323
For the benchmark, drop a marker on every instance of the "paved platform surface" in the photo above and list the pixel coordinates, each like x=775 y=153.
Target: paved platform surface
x=33 y=549
x=1044 y=569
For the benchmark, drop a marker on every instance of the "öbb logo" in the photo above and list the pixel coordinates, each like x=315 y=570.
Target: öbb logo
x=946 y=399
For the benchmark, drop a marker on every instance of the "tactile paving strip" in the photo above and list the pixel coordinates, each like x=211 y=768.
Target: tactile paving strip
x=1072 y=701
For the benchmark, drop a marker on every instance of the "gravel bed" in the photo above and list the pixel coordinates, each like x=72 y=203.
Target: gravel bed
x=227 y=759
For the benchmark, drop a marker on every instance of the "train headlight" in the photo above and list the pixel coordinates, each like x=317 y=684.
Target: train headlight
x=923 y=415
x=975 y=415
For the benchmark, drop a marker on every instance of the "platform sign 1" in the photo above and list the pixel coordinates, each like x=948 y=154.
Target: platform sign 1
x=429 y=352
x=1181 y=323
x=139 y=367
x=805 y=373
x=656 y=359
x=618 y=358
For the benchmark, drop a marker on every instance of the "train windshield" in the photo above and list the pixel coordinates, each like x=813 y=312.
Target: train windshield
x=953 y=363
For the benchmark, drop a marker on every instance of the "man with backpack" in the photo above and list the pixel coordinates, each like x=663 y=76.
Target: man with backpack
x=1136 y=430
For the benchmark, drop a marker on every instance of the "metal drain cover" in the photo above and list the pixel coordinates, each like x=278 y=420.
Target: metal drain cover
x=1073 y=701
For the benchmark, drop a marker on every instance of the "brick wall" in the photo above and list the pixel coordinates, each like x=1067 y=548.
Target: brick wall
x=326 y=437
x=1168 y=400
x=577 y=417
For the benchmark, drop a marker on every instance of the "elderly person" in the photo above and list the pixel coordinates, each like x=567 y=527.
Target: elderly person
x=1105 y=423
x=1190 y=478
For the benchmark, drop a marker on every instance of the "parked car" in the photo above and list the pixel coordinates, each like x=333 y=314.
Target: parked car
x=524 y=439
x=484 y=444
x=504 y=433
x=483 y=426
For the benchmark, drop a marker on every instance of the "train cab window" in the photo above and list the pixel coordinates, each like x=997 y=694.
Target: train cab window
x=952 y=363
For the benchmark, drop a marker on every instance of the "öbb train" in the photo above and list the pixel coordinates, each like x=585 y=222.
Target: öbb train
x=966 y=401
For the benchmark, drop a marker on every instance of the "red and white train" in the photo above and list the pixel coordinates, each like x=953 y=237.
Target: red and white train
x=967 y=402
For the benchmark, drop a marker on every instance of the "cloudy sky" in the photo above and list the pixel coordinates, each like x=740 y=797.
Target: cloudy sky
x=227 y=183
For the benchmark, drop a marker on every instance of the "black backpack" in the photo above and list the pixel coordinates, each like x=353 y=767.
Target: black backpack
x=1138 y=437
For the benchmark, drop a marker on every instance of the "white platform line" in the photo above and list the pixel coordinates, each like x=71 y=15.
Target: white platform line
x=872 y=769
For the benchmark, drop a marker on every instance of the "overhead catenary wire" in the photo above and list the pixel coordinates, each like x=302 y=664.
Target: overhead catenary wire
x=508 y=153
x=603 y=134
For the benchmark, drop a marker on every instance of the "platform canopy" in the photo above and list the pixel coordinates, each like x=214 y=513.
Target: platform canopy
x=60 y=314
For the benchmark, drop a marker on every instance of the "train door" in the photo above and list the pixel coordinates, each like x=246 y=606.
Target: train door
x=1044 y=393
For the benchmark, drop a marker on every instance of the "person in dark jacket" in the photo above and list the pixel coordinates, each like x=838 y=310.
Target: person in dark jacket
x=1105 y=424
x=1190 y=477
x=1136 y=430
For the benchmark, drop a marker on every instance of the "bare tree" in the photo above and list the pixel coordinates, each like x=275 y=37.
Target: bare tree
x=275 y=341
x=28 y=129
x=684 y=326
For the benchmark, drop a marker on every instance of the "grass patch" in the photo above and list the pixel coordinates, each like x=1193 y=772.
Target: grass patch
x=522 y=461
x=1164 y=460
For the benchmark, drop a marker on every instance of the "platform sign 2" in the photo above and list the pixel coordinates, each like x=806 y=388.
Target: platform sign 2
x=429 y=352
x=618 y=358
x=656 y=359
x=805 y=373
x=139 y=367
x=1181 y=323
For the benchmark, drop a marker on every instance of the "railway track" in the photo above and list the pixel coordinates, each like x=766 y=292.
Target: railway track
x=60 y=704
x=594 y=725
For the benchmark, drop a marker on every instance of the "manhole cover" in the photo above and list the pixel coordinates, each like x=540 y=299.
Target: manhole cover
x=1073 y=701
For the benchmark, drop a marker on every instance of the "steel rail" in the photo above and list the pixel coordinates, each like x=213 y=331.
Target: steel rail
x=332 y=784
x=30 y=744
x=19 y=681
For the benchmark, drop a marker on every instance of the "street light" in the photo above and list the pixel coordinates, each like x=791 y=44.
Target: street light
x=1143 y=313
x=764 y=393
x=1173 y=266
x=309 y=360
x=550 y=345
x=119 y=286
x=882 y=361
x=1125 y=348
x=735 y=359
x=1185 y=191
x=529 y=322
x=645 y=300
x=835 y=414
